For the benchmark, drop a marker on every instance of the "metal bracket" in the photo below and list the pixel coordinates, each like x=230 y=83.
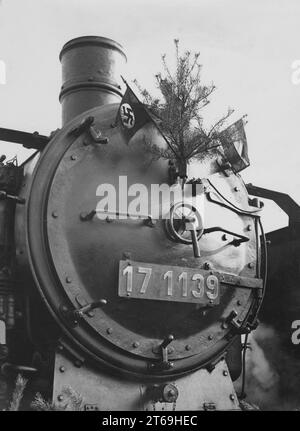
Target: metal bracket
x=88 y=125
x=239 y=326
x=164 y=364
x=236 y=242
x=97 y=136
x=82 y=127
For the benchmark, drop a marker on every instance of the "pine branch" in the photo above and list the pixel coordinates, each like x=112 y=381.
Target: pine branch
x=183 y=97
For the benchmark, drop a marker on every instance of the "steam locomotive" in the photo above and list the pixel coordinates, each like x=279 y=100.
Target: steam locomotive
x=133 y=313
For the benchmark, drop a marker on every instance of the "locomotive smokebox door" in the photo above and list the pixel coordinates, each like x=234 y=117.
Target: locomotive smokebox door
x=145 y=294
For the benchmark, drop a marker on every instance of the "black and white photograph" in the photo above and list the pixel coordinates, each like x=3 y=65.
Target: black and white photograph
x=149 y=208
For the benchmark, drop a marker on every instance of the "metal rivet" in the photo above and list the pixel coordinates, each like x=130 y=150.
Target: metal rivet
x=251 y=265
x=206 y=265
x=62 y=369
x=188 y=347
x=68 y=279
x=60 y=348
x=225 y=373
x=78 y=363
x=249 y=227
x=239 y=302
x=54 y=214
x=236 y=189
x=171 y=364
x=73 y=157
x=224 y=325
x=60 y=397
x=224 y=237
x=210 y=337
x=232 y=397
x=135 y=344
x=109 y=330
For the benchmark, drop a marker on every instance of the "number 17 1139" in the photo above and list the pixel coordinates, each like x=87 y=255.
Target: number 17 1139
x=142 y=281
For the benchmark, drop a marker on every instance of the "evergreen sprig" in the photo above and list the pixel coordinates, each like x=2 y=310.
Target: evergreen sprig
x=180 y=108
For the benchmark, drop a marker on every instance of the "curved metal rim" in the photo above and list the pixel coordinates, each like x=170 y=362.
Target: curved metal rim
x=44 y=275
x=92 y=40
x=85 y=85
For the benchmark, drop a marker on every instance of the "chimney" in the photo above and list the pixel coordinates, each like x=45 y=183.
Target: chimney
x=91 y=67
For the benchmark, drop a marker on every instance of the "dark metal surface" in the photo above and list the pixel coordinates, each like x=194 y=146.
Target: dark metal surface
x=28 y=140
x=85 y=256
x=90 y=72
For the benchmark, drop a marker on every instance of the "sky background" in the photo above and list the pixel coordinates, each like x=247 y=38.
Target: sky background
x=246 y=47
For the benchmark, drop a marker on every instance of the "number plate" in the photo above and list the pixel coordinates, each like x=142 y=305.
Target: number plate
x=167 y=283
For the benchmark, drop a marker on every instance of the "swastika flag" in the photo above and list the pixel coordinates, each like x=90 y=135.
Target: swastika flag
x=132 y=114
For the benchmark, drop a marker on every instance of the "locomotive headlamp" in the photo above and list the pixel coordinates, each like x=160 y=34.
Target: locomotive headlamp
x=234 y=143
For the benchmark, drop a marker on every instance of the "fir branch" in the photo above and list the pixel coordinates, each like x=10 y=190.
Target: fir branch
x=183 y=97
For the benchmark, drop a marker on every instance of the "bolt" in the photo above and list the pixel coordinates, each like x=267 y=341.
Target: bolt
x=210 y=337
x=236 y=189
x=206 y=265
x=224 y=325
x=62 y=369
x=171 y=392
x=73 y=157
x=54 y=214
x=239 y=302
x=135 y=344
x=68 y=279
x=109 y=330
x=249 y=227
x=225 y=373
x=188 y=347
x=232 y=397
x=251 y=265
x=171 y=364
x=60 y=397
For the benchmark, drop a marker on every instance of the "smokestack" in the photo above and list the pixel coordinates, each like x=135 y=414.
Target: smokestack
x=91 y=68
